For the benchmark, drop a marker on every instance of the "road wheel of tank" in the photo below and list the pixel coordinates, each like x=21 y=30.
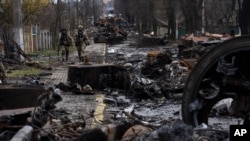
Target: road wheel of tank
x=206 y=85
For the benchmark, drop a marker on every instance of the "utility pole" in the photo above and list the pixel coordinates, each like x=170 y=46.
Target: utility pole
x=17 y=23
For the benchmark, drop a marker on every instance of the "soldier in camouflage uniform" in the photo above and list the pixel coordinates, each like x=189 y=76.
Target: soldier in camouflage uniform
x=65 y=42
x=81 y=41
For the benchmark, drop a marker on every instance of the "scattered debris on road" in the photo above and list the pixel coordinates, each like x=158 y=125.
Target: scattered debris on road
x=136 y=95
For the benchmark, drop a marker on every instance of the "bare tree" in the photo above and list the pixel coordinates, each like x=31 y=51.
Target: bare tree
x=171 y=12
x=87 y=9
x=122 y=8
x=57 y=25
x=192 y=14
x=142 y=11
x=218 y=15
x=17 y=23
x=244 y=20
x=145 y=14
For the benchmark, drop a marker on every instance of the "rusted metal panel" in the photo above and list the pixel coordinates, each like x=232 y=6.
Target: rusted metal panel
x=89 y=74
x=19 y=96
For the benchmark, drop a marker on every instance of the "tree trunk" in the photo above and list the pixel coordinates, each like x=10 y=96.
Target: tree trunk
x=57 y=25
x=17 y=23
x=171 y=20
x=244 y=20
x=192 y=13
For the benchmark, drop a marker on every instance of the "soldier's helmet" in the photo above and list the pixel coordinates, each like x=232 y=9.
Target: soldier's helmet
x=80 y=27
x=64 y=31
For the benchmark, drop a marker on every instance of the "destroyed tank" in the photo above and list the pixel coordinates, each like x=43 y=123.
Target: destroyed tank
x=223 y=72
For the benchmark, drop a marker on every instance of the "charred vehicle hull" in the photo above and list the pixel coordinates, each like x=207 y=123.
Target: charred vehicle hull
x=221 y=73
x=108 y=38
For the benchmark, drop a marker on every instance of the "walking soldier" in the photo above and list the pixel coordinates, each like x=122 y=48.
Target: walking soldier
x=81 y=41
x=65 y=42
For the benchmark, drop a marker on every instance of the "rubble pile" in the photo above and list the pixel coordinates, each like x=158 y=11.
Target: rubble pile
x=153 y=71
x=50 y=123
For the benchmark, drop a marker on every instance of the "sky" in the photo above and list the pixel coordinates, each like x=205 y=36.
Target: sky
x=105 y=1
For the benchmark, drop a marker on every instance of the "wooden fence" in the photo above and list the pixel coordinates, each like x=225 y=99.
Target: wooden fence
x=36 y=39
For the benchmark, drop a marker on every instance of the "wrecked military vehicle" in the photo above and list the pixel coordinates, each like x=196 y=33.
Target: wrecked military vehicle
x=221 y=73
x=110 y=30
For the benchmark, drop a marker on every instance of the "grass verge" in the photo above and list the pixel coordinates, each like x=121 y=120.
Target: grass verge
x=24 y=71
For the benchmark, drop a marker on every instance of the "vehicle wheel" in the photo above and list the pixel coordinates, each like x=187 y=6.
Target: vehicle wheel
x=213 y=79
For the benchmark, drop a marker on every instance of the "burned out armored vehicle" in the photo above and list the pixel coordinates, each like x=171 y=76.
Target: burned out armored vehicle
x=222 y=73
x=110 y=30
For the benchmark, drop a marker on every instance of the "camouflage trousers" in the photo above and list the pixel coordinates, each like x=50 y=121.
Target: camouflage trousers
x=64 y=52
x=81 y=50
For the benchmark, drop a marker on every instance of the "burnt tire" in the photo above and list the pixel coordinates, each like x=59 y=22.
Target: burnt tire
x=202 y=69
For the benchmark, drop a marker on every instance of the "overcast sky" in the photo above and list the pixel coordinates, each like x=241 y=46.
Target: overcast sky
x=105 y=1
